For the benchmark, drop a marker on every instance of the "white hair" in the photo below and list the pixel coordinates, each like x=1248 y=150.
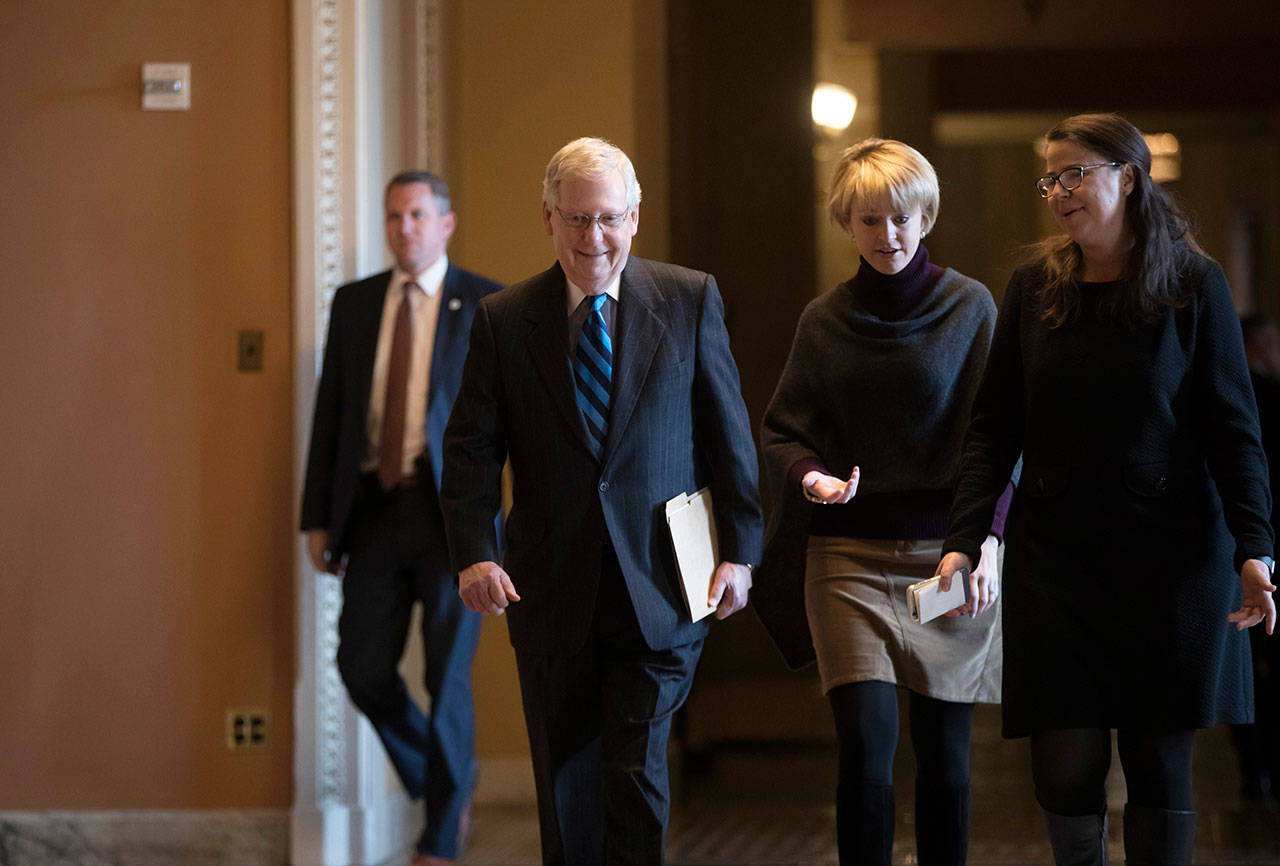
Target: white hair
x=589 y=159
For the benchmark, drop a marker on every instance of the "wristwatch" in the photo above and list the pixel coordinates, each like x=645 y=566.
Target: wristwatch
x=1268 y=562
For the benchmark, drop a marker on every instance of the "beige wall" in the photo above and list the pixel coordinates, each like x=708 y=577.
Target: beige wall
x=526 y=78
x=146 y=547
x=148 y=500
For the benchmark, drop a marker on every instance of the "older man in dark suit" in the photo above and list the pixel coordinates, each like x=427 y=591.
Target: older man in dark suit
x=392 y=367
x=608 y=382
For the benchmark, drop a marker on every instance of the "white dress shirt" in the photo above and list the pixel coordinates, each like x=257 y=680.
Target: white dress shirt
x=578 y=313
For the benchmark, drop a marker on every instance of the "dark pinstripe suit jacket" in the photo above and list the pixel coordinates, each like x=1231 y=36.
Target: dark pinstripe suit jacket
x=677 y=422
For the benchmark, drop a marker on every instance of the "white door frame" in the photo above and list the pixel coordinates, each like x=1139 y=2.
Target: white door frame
x=366 y=102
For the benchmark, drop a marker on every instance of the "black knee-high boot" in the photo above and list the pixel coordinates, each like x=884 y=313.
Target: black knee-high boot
x=1158 y=837
x=942 y=825
x=1077 y=840
x=864 y=824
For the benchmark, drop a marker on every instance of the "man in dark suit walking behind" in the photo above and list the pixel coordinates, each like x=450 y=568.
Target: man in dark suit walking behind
x=608 y=382
x=392 y=366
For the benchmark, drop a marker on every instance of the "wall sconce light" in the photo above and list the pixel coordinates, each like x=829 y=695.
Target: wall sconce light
x=833 y=107
x=1166 y=156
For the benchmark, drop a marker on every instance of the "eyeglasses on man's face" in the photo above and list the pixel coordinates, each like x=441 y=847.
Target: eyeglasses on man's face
x=1070 y=177
x=581 y=222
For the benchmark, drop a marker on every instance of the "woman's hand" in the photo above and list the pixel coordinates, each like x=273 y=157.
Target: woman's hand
x=1255 y=579
x=984 y=581
x=827 y=489
x=951 y=563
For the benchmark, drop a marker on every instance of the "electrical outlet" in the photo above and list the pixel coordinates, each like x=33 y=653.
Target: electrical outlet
x=247 y=729
x=250 y=351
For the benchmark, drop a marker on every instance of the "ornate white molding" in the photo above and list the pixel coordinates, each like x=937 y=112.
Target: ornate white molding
x=328 y=169
x=428 y=85
x=331 y=747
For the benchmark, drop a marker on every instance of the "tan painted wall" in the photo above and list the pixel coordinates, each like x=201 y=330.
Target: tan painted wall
x=526 y=78
x=146 y=548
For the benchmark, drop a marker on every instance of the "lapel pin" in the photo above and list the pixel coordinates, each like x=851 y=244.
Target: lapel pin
x=455 y=304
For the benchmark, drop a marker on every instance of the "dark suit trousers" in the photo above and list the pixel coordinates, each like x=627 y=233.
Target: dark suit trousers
x=598 y=721
x=396 y=555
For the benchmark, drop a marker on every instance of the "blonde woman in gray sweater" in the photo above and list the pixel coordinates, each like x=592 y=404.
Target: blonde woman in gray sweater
x=862 y=444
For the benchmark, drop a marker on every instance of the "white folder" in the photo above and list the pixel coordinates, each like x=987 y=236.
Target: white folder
x=693 y=537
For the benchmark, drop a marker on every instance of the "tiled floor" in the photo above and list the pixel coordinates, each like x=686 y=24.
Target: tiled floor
x=750 y=806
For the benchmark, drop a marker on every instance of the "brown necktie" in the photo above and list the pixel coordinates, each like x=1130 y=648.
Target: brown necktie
x=391 y=448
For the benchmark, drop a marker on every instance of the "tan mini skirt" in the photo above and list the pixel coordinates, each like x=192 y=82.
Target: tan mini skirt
x=855 y=597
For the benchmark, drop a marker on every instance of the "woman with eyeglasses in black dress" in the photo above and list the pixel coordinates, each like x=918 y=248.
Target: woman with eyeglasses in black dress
x=1138 y=542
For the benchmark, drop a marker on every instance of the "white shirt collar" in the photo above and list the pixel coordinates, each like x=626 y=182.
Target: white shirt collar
x=429 y=280
x=575 y=294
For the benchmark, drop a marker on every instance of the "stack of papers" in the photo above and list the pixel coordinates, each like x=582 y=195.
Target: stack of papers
x=693 y=537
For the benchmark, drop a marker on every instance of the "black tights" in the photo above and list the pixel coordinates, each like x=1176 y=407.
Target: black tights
x=866 y=717
x=1070 y=768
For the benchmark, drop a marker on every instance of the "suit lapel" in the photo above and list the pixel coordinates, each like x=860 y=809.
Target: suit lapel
x=447 y=331
x=444 y=347
x=548 y=346
x=640 y=331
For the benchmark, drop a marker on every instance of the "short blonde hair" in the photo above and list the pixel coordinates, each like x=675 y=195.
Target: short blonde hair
x=589 y=159
x=877 y=170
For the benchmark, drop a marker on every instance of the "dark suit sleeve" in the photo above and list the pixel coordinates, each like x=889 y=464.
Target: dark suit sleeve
x=797 y=410
x=475 y=449
x=322 y=456
x=723 y=433
x=1226 y=408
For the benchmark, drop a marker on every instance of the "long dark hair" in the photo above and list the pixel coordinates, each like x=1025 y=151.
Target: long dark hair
x=1162 y=234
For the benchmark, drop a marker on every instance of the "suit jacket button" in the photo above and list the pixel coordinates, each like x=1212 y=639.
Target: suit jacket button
x=604 y=486
x=1162 y=484
x=1040 y=485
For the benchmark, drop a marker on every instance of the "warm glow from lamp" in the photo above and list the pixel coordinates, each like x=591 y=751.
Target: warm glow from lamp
x=833 y=107
x=1166 y=157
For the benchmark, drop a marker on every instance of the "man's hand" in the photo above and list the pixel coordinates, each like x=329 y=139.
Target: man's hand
x=318 y=551
x=1258 y=606
x=729 y=588
x=485 y=588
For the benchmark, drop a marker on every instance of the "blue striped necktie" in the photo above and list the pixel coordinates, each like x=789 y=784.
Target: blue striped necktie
x=593 y=370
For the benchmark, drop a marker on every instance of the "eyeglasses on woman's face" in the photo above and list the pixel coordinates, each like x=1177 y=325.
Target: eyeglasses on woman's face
x=1070 y=177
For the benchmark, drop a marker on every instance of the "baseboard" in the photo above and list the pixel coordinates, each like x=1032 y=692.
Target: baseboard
x=196 y=838
x=145 y=838
x=380 y=832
